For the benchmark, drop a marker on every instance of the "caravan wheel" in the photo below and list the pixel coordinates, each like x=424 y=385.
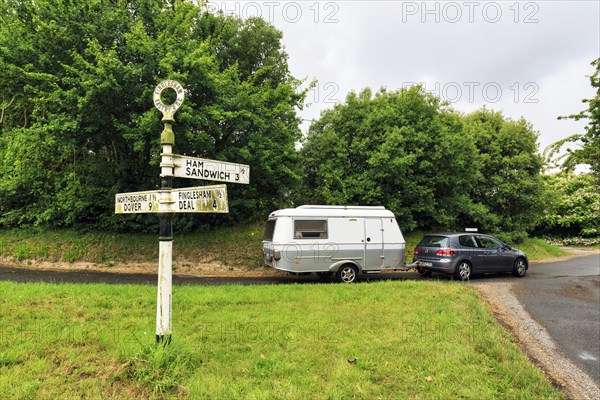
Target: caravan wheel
x=347 y=274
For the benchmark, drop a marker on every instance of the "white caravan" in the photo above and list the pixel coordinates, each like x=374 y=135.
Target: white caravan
x=340 y=240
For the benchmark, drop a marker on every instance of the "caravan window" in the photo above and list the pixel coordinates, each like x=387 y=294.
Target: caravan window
x=315 y=229
x=269 y=230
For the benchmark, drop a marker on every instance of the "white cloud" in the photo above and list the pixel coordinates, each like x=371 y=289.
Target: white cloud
x=525 y=58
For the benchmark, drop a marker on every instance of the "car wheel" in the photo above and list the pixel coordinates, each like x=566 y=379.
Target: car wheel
x=463 y=271
x=520 y=268
x=347 y=274
x=324 y=275
x=424 y=272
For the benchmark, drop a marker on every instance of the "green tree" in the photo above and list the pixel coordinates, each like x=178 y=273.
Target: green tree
x=588 y=150
x=401 y=149
x=575 y=206
x=77 y=123
x=434 y=168
x=509 y=194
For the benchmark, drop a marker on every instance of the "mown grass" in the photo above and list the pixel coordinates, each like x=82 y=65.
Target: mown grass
x=387 y=340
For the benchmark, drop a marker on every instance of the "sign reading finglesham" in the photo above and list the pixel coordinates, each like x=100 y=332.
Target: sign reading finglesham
x=200 y=199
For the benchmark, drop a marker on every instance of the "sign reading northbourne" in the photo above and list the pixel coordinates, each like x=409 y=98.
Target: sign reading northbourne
x=201 y=168
x=136 y=202
x=200 y=199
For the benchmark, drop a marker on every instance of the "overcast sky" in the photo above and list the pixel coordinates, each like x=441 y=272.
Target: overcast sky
x=527 y=59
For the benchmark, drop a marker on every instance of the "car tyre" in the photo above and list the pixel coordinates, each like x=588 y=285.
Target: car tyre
x=424 y=272
x=463 y=271
x=347 y=274
x=520 y=268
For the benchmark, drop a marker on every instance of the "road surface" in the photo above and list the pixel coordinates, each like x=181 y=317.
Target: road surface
x=564 y=297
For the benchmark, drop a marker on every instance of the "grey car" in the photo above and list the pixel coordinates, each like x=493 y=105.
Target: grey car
x=464 y=254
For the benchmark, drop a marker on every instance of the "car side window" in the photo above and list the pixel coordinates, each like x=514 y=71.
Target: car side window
x=488 y=242
x=467 y=241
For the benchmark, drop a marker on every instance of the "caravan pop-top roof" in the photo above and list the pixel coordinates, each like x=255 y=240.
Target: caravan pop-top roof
x=333 y=211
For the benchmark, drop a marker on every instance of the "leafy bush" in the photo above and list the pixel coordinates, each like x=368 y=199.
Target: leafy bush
x=574 y=210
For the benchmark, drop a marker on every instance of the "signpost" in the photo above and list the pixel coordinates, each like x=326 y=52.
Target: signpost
x=166 y=200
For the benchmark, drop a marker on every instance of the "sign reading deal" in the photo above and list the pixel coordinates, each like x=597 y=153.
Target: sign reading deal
x=201 y=199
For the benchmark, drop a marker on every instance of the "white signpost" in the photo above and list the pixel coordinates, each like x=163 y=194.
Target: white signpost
x=166 y=200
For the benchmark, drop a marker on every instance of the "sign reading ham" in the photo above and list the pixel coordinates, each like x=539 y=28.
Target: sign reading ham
x=201 y=168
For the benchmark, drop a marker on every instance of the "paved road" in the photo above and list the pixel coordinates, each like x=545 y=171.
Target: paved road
x=33 y=275
x=564 y=297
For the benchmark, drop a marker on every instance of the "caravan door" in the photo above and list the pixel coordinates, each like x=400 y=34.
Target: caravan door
x=373 y=244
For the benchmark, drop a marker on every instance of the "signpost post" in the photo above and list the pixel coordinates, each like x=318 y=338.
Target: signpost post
x=165 y=235
x=166 y=200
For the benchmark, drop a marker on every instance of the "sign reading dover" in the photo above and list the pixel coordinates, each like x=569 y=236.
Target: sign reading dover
x=201 y=199
x=136 y=202
x=166 y=201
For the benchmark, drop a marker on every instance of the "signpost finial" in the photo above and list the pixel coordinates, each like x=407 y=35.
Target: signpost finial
x=168 y=111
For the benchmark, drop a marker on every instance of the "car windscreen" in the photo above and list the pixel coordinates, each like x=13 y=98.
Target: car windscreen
x=434 y=241
x=269 y=229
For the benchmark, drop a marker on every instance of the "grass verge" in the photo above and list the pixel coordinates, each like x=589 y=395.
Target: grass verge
x=233 y=246
x=392 y=340
x=238 y=247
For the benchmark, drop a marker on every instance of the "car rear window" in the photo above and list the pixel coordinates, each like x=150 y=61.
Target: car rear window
x=434 y=241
